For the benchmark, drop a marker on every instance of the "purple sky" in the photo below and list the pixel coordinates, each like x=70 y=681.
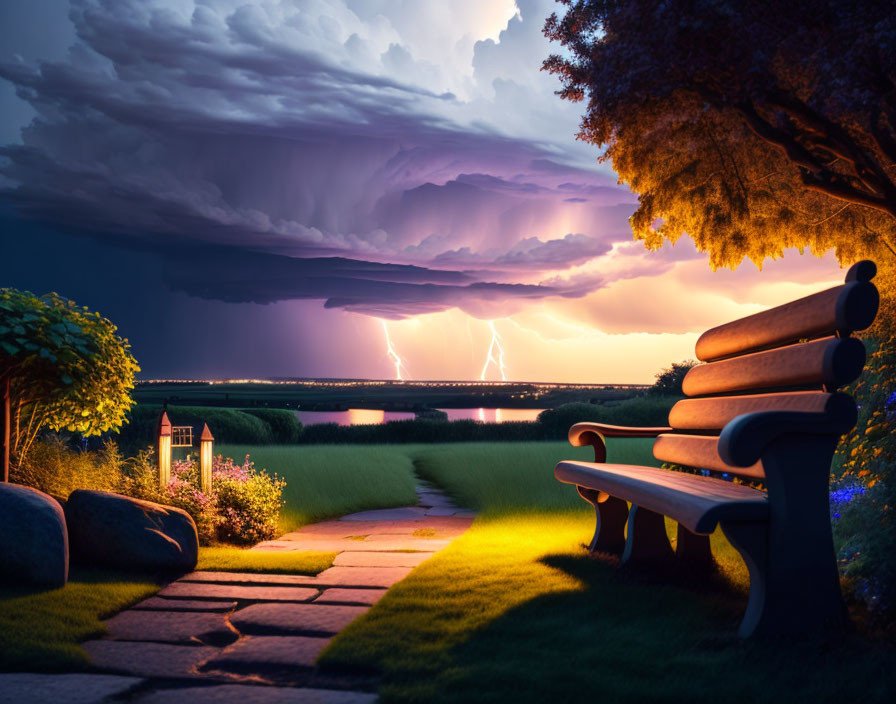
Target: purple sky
x=245 y=188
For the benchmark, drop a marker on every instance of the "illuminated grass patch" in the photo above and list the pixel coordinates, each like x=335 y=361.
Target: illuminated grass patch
x=229 y=559
x=327 y=481
x=515 y=610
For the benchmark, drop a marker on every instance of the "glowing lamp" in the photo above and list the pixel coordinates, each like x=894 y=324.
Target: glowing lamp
x=164 y=450
x=205 y=459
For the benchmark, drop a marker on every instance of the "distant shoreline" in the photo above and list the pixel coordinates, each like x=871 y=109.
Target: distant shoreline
x=342 y=394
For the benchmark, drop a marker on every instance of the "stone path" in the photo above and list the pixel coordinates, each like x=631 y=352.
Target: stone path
x=252 y=638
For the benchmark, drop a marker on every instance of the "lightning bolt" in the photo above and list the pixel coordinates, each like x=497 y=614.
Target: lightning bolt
x=490 y=358
x=390 y=350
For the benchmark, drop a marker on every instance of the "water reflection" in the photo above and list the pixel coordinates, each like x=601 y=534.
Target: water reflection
x=366 y=416
x=353 y=416
x=492 y=415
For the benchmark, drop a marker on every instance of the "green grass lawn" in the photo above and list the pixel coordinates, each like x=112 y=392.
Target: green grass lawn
x=327 y=481
x=514 y=610
x=40 y=629
x=230 y=559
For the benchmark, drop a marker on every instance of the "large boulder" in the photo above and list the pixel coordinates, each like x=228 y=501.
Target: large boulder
x=33 y=539
x=118 y=531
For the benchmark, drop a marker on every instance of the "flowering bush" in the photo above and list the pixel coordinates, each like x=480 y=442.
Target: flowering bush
x=242 y=507
x=865 y=522
x=249 y=501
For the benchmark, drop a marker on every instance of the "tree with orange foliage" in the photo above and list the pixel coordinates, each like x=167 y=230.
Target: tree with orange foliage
x=750 y=126
x=754 y=126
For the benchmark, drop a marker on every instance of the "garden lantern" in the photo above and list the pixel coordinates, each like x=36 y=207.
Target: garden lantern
x=205 y=459
x=164 y=450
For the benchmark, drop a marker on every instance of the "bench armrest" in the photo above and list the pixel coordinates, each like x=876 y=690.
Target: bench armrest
x=744 y=439
x=594 y=433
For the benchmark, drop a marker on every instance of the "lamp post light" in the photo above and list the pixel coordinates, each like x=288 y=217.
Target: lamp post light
x=164 y=450
x=205 y=460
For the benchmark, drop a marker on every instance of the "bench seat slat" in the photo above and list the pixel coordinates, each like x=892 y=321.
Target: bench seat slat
x=702 y=452
x=831 y=362
x=699 y=503
x=715 y=413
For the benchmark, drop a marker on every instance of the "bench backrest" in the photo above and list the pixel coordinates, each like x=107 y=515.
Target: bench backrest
x=790 y=358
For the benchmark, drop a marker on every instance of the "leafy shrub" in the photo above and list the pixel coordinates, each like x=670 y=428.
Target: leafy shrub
x=227 y=425
x=637 y=411
x=669 y=381
x=284 y=425
x=243 y=505
x=865 y=530
x=55 y=468
x=182 y=491
x=65 y=367
x=248 y=501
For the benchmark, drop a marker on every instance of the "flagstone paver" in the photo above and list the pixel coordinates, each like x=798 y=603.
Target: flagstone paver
x=387 y=514
x=24 y=687
x=221 y=637
x=155 y=603
x=249 y=578
x=229 y=592
x=295 y=618
x=380 y=559
x=148 y=659
x=172 y=627
x=362 y=576
x=259 y=653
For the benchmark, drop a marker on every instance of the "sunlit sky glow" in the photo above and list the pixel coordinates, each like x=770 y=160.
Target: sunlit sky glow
x=252 y=189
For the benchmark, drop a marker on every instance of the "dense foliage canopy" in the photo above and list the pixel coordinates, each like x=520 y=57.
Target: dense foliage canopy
x=66 y=367
x=751 y=126
x=669 y=381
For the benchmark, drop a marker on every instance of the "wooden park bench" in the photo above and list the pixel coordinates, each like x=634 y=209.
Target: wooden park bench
x=765 y=406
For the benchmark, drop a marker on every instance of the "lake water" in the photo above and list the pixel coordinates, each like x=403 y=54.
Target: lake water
x=366 y=416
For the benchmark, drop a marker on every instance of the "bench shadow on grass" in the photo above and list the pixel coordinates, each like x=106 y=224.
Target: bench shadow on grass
x=635 y=636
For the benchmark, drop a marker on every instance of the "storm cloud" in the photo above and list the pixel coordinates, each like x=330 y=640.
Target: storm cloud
x=352 y=130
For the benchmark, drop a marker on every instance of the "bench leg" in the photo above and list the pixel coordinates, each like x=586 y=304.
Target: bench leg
x=647 y=541
x=694 y=549
x=611 y=514
x=751 y=541
x=794 y=584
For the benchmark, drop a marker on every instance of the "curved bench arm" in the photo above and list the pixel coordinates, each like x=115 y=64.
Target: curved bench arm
x=745 y=438
x=594 y=433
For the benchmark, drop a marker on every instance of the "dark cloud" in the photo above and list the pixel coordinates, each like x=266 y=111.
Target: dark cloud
x=294 y=134
x=385 y=290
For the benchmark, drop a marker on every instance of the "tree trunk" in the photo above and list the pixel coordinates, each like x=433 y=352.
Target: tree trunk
x=4 y=412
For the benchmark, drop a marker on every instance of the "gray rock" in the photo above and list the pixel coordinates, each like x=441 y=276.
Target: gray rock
x=118 y=531
x=33 y=538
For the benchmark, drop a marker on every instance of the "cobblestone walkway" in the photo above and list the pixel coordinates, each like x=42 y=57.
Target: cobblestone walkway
x=227 y=637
